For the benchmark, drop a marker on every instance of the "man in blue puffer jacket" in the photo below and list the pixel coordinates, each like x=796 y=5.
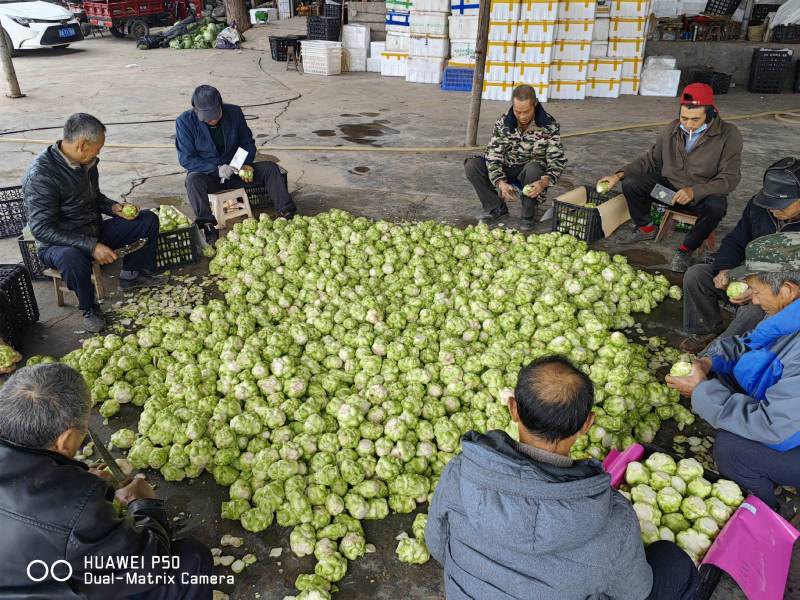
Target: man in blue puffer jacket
x=753 y=398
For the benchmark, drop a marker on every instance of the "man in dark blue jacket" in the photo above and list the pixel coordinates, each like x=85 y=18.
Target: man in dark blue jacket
x=207 y=137
x=774 y=209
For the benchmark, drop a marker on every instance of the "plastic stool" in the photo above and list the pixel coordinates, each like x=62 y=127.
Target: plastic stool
x=60 y=286
x=668 y=226
x=229 y=205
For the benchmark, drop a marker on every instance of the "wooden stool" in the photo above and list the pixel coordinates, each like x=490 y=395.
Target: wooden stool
x=60 y=287
x=294 y=60
x=229 y=205
x=668 y=226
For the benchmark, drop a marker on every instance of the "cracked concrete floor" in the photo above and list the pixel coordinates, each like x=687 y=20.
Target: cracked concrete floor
x=139 y=93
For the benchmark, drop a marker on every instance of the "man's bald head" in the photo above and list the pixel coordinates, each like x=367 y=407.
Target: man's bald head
x=553 y=398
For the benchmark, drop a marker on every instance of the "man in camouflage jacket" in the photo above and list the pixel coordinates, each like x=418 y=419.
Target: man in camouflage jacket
x=525 y=148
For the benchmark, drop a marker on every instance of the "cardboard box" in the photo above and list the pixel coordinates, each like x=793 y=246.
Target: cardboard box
x=613 y=212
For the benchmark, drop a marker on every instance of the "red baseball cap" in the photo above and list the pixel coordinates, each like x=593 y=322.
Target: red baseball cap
x=697 y=94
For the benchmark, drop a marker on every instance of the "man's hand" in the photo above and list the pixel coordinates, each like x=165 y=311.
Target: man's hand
x=246 y=173
x=103 y=254
x=535 y=189
x=136 y=489
x=743 y=299
x=699 y=374
x=507 y=191
x=101 y=472
x=226 y=172
x=125 y=210
x=722 y=280
x=612 y=179
x=683 y=196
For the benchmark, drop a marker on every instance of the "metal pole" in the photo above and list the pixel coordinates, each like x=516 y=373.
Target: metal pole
x=748 y=10
x=8 y=67
x=477 y=78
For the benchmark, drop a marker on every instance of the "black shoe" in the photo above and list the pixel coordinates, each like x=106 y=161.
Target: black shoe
x=211 y=233
x=636 y=235
x=93 y=320
x=526 y=225
x=680 y=261
x=142 y=280
x=288 y=215
x=494 y=215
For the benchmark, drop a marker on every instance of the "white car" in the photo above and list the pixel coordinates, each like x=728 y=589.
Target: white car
x=38 y=24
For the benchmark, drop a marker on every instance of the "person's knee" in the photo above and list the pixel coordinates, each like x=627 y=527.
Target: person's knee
x=196 y=181
x=698 y=277
x=73 y=261
x=267 y=167
x=532 y=171
x=715 y=208
x=195 y=557
x=630 y=186
x=724 y=450
x=148 y=221
x=474 y=167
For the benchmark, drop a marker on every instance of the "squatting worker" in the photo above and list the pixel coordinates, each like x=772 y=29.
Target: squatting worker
x=523 y=520
x=64 y=205
x=775 y=208
x=525 y=150
x=699 y=157
x=58 y=513
x=752 y=397
x=207 y=138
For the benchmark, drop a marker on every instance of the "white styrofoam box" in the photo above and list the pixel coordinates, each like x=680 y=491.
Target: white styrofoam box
x=627 y=27
x=632 y=67
x=424 y=69
x=666 y=8
x=630 y=8
x=537 y=31
x=504 y=10
x=503 y=31
x=402 y=5
x=629 y=85
x=464 y=7
x=602 y=88
x=539 y=10
x=397 y=41
x=664 y=61
x=428 y=23
x=461 y=64
x=572 y=50
x=575 y=29
x=569 y=70
x=501 y=51
x=599 y=49
x=374 y=65
x=355 y=36
x=542 y=89
x=563 y=89
x=435 y=46
x=626 y=47
x=355 y=59
x=534 y=52
x=463 y=51
x=660 y=82
x=577 y=9
x=393 y=64
x=397 y=20
x=375 y=48
x=499 y=71
x=601 y=28
x=463 y=28
x=604 y=68
x=269 y=14
x=532 y=73
x=321 y=57
x=442 y=6
x=497 y=90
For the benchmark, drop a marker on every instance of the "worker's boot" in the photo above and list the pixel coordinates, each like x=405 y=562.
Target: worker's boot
x=211 y=233
x=93 y=320
x=636 y=235
x=680 y=261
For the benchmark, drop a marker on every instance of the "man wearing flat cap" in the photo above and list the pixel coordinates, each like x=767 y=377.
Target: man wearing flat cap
x=775 y=208
x=207 y=138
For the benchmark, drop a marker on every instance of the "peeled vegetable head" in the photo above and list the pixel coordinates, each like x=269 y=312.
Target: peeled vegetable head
x=681 y=369
x=736 y=289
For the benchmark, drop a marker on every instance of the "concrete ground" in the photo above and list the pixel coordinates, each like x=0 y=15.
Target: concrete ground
x=346 y=124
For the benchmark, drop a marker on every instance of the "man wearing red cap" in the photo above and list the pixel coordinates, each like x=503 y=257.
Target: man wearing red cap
x=699 y=157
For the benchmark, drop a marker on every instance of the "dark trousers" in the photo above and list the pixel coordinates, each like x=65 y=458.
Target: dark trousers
x=674 y=575
x=75 y=264
x=195 y=559
x=478 y=176
x=701 y=311
x=710 y=209
x=266 y=173
x=755 y=467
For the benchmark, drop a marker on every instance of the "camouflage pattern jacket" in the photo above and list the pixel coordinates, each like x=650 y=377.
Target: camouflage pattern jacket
x=509 y=147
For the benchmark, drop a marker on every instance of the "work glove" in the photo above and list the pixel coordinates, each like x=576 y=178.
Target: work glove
x=226 y=172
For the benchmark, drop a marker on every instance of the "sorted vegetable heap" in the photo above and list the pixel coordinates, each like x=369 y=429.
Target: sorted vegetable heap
x=201 y=35
x=348 y=357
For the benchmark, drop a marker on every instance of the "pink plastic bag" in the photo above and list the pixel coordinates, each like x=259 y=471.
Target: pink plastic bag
x=616 y=462
x=755 y=548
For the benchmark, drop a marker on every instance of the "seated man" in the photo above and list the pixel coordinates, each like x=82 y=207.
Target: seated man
x=753 y=397
x=525 y=146
x=523 y=520
x=60 y=526
x=64 y=203
x=775 y=208
x=699 y=156
x=207 y=137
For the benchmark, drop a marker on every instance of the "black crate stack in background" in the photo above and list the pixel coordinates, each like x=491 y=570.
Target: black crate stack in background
x=324 y=28
x=768 y=70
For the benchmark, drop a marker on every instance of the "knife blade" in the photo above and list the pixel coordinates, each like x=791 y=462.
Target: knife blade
x=130 y=248
x=109 y=461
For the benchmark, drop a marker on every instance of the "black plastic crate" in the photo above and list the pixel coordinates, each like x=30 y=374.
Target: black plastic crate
x=177 y=248
x=760 y=12
x=333 y=10
x=768 y=70
x=278 y=45
x=12 y=213
x=785 y=34
x=18 y=308
x=721 y=7
x=257 y=193
x=30 y=257
x=719 y=82
x=323 y=28
x=581 y=222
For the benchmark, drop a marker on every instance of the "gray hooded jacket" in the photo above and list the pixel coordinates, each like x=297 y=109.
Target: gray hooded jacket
x=506 y=527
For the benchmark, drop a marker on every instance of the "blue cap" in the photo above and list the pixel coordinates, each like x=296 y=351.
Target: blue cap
x=207 y=102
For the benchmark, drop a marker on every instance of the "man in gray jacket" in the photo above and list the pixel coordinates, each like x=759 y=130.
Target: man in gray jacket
x=513 y=520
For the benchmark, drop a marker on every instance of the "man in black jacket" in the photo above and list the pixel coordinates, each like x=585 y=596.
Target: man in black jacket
x=64 y=205
x=775 y=208
x=62 y=534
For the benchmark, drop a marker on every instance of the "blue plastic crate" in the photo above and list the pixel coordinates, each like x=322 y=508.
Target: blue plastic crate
x=457 y=80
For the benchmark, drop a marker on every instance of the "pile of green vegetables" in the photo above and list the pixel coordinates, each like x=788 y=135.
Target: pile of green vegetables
x=334 y=381
x=170 y=218
x=673 y=501
x=201 y=35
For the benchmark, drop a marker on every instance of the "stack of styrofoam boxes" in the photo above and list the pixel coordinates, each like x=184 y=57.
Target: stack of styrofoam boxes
x=538 y=23
x=572 y=49
x=604 y=78
x=463 y=21
x=374 y=60
x=500 y=71
x=429 y=45
x=355 y=42
x=394 y=58
x=626 y=39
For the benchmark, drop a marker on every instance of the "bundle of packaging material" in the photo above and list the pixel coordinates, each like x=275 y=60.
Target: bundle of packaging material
x=627 y=37
x=428 y=44
x=660 y=77
x=355 y=42
x=463 y=35
x=374 y=60
x=572 y=49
